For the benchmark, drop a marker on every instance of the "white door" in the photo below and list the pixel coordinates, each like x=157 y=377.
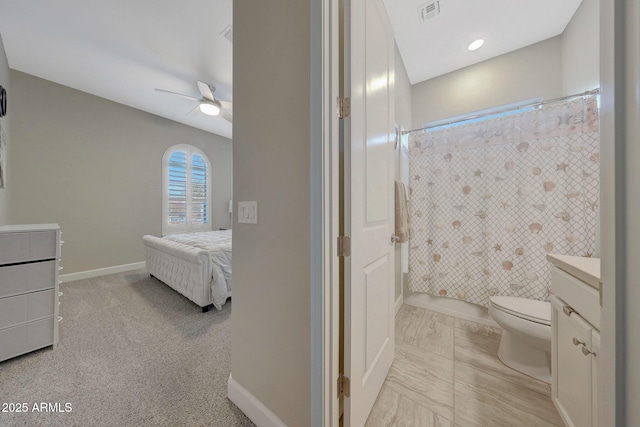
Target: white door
x=369 y=211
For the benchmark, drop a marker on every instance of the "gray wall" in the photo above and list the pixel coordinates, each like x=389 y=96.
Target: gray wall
x=94 y=167
x=271 y=347
x=618 y=369
x=403 y=93
x=4 y=123
x=581 y=49
x=631 y=131
x=526 y=73
x=581 y=60
x=403 y=119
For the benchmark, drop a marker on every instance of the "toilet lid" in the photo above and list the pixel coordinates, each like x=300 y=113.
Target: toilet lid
x=530 y=309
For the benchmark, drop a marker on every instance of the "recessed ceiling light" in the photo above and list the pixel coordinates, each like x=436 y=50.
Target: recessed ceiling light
x=476 y=44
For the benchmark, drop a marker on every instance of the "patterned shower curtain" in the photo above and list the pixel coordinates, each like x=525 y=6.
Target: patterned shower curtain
x=489 y=200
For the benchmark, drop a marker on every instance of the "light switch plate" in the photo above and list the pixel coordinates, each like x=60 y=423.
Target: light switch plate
x=248 y=212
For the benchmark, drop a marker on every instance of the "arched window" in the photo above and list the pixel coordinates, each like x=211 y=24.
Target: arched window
x=186 y=190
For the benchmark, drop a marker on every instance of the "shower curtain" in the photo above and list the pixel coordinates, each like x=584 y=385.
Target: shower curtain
x=489 y=200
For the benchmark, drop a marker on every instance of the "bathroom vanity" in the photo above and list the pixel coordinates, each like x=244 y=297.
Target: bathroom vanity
x=575 y=337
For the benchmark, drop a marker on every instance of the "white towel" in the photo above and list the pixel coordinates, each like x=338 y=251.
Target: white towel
x=402 y=213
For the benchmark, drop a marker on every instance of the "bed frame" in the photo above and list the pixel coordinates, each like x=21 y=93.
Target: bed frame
x=184 y=268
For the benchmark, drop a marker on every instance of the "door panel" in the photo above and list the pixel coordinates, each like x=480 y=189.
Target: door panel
x=376 y=313
x=571 y=390
x=377 y=130
x=369 y=278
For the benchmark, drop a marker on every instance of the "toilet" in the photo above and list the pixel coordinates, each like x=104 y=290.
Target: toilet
x=526 y=338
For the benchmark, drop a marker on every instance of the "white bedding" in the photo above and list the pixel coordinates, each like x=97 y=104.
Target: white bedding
x=218 y=244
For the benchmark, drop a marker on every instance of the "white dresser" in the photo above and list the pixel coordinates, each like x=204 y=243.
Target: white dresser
x=575 y=338
x=29 y=263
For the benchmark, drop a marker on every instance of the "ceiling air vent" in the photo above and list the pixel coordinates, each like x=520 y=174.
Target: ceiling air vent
x=429 y=10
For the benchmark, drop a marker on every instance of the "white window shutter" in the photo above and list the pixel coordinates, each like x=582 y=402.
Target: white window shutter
x=186 y=190
x=199 y=187
x=178 y=191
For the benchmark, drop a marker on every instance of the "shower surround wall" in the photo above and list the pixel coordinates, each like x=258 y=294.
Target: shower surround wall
x=490 y=199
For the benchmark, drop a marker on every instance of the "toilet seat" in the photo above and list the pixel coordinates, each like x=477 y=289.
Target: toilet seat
x=524 y=308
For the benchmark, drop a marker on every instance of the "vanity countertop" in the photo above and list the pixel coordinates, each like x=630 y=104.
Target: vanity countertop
x=585 y=269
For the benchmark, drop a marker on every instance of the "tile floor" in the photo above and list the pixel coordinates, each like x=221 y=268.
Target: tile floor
x=446 y=373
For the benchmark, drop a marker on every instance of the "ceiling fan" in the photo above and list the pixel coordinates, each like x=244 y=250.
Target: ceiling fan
x=208 y=104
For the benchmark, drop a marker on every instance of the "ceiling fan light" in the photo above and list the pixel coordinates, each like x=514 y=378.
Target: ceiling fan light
x=209 y=109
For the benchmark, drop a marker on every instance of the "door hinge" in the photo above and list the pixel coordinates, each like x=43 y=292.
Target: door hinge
x=344 y=246
x=344 y=386
x=344 y=107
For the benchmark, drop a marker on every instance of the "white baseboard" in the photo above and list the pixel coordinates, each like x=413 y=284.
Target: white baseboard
x=252 y=407
x=399 y=303
x=101 y=272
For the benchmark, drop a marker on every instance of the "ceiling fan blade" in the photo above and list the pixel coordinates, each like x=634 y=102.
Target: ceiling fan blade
x=197 y=107
x=226 y=115
x=227 y=105
x=206 y=91
x=179 y=94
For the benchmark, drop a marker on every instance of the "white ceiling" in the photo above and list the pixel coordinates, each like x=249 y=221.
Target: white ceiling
x=439 y=45
x=122 y=50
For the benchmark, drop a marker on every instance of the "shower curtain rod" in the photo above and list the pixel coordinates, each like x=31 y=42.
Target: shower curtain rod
x=533 y=104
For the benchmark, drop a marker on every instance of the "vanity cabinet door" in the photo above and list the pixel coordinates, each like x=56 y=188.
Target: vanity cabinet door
x=595 y=344
x=572 y=365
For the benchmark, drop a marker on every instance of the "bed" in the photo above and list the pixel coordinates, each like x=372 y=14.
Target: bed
x=197 y=265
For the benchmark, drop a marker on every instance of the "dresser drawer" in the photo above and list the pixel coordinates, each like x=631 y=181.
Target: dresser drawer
x=40 y=333
x=41 y=304
x=13 y=311
x=18 y=279
x=14 y=341
x=21 y=247
x=25 y=338
x=578 y=295
x=26 y=308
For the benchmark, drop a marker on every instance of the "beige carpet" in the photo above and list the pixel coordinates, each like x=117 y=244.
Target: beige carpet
x=132 y=352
